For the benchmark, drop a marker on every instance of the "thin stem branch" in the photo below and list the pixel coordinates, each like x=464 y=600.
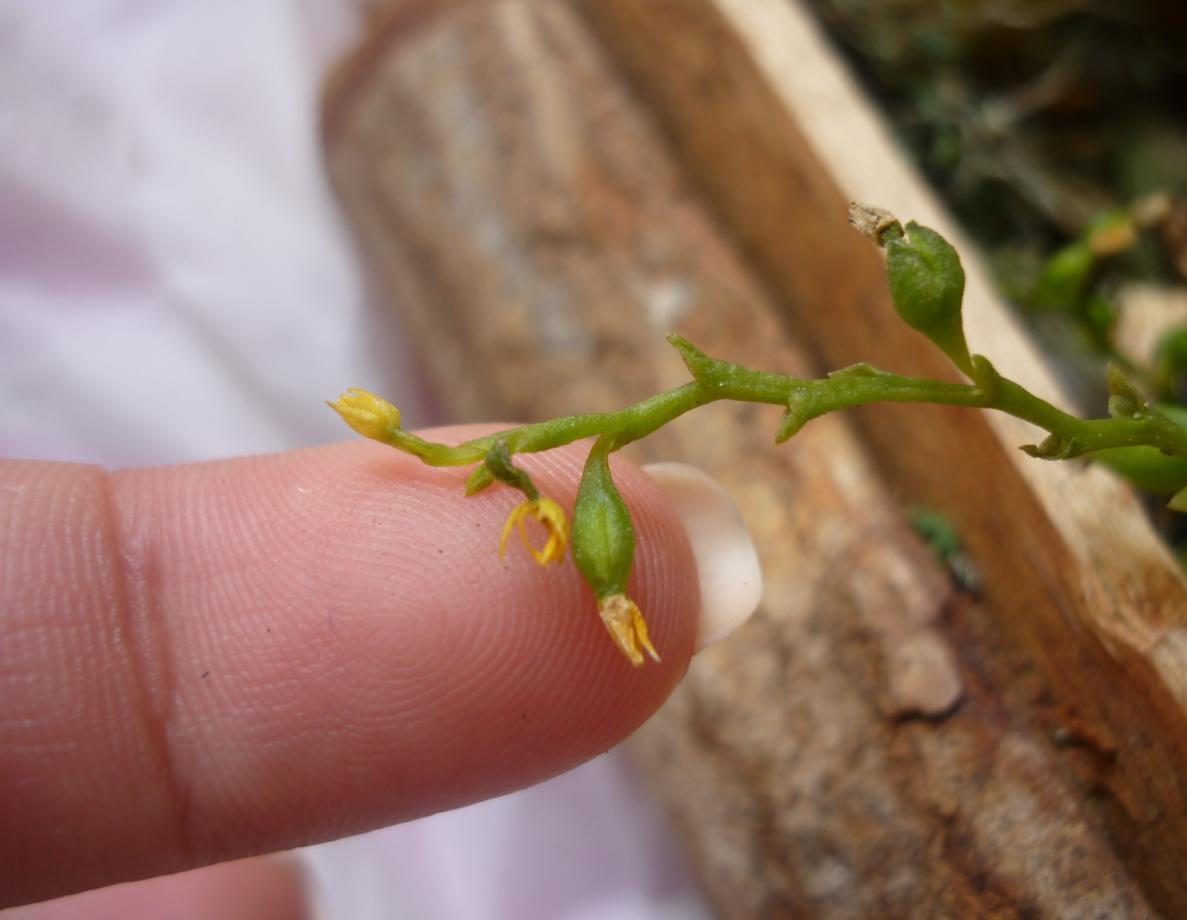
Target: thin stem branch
x=806 y=399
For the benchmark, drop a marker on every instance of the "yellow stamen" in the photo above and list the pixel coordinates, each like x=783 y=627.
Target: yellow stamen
x=627 y=628
x=548 y=513
x=370 y=415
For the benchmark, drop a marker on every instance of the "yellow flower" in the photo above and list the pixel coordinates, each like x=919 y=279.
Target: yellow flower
x=552 y=516
x=627 y=628
x=368 y=414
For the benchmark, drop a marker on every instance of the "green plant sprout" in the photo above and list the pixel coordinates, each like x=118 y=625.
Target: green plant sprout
x=927 y=285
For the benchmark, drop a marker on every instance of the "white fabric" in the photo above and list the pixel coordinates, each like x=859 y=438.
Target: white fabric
x=585 y=846
x=168 y=242
x=167 y=238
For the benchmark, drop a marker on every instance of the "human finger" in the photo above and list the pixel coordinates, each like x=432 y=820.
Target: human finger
x=209 y=661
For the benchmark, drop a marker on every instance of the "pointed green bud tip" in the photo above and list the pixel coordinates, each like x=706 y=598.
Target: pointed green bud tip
x=480 y=479
x=799 y=412
x=1052 y=447
x=861 y=369
x=697 y=362
x=1178 y=501
x=985 y=376
x=927 y=287
x=790 y=425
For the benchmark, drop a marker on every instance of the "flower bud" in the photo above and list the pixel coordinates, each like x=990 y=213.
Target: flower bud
x=370 y=415
x=927 y=287
x=603 y=535
x=604 y=549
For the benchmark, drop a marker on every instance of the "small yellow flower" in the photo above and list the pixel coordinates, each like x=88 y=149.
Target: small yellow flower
x=552 y=516
x=627 y=628
x=370 y=415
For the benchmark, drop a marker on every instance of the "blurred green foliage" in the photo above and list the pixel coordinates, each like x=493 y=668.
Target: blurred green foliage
x=1057 y=130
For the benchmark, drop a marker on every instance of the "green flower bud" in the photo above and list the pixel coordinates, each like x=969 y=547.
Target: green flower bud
x=603 y=539
x=927 y=286
x=603 y=536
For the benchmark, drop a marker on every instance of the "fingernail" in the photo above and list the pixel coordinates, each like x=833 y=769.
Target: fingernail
x=727 y=564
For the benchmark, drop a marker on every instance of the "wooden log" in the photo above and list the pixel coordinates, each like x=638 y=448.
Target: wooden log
x=779 y=138
x=870 y=744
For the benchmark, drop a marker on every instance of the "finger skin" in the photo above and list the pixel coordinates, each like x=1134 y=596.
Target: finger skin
x=262 y=888
x=211 y=661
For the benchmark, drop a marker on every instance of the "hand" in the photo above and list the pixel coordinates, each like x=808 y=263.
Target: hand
x=211 y=661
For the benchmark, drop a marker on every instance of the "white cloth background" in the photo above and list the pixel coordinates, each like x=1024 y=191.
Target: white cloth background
x=176 y=285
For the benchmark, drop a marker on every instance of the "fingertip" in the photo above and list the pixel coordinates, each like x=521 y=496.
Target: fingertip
x=352 y=592
x=275 y=887
x=726 y=560
x=318 y=643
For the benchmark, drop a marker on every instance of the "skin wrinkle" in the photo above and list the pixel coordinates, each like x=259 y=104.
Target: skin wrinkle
x=140 y=626
x=80 y=753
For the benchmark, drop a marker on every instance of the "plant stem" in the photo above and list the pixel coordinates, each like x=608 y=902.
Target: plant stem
x=806 y=399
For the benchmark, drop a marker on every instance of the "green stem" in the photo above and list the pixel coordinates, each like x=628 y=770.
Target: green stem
x=808 y=399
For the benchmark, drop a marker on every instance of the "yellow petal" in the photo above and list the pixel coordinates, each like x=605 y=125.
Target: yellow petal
x=368 y=414
x=552 y=516
x=624 y=621
x=548 y=513
x=516 y=517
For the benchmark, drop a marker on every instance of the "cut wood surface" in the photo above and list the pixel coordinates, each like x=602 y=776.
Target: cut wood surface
x=874 y=743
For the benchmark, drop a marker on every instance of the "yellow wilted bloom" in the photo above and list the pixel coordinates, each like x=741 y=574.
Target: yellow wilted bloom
x=552 y=516
x=627 y=628
x=370 y=415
